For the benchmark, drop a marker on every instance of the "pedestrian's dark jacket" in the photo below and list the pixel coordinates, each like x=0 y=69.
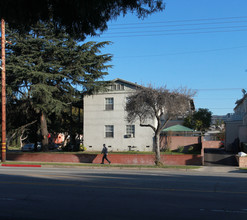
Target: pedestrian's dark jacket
x=104 y=150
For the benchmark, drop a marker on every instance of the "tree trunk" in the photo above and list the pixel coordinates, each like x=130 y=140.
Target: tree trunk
x=44 y=132
x=66 y=138
x=22 y=138
x=157 y=149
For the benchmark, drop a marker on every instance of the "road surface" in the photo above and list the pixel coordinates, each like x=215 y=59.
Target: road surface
x=86 y=193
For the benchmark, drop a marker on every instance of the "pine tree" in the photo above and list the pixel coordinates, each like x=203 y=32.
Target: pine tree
x=51 y=70
x=79 y=18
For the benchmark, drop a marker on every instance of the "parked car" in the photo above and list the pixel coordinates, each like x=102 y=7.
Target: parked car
x=53 y=146
x=28 y=147
x=39 y=146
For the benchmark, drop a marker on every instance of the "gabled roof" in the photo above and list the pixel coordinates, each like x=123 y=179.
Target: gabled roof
x=117 y=80
x=240 y=101
x=178 y=128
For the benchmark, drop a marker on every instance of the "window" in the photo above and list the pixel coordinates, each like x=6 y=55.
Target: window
x=109 y=131
x=117 y=87
x=113 y=87
x=130 y=130
x=109 y=104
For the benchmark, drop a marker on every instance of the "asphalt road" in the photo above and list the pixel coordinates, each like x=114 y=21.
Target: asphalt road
x=81 y=193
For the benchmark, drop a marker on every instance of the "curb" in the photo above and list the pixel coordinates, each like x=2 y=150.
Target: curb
x=20 y=165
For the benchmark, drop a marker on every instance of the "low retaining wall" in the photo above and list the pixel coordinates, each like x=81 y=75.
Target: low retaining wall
x=211 y=144
x=242 y=161
x=141 y=159
x=178 y=141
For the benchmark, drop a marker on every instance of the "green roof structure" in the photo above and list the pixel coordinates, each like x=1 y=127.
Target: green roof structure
x=178 y=128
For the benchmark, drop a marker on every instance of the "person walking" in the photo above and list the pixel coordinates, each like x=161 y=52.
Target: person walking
x=105 y=153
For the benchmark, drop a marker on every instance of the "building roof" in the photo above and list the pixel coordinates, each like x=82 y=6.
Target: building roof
x=240 y=101
x=117 y=80
x=178 y=128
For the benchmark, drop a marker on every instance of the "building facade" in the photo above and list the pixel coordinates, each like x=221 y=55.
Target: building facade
x=105 y=121
x=236 y=125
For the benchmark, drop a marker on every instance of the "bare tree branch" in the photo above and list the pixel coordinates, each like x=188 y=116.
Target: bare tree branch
x=20 y=130
x=158 y=105
x=148 y=125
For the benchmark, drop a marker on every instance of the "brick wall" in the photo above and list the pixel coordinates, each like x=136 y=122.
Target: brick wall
x=242 y=161
x=138 y=159
x=211 y=144
x=177 y=141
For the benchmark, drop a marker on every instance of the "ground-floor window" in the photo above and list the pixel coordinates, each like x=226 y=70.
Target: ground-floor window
x=130 y=130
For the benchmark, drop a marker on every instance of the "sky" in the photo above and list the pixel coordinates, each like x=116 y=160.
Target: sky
x=198 y=44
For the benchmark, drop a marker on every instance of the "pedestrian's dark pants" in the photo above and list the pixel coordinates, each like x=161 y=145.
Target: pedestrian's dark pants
x=105 y=157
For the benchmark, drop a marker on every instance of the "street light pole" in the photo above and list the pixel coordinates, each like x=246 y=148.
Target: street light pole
x=3 y=92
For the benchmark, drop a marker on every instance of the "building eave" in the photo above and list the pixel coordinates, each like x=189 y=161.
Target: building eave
x=126 y=82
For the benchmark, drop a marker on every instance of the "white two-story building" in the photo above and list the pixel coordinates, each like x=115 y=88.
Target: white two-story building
x=105 y=121
x=236 y=125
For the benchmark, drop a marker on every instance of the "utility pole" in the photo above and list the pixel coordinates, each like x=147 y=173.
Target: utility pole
x=3 y=92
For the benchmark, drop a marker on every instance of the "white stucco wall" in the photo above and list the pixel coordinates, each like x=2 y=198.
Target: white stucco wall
x=96 y=117
x=232 y=132
x=236 y=125
x=243 y=133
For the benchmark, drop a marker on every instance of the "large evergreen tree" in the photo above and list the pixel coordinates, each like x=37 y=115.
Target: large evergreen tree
x=49 y=70
x=77 y=17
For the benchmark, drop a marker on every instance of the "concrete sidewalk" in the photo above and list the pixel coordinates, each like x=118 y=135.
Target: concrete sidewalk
x=221 y=169
x=206 y=169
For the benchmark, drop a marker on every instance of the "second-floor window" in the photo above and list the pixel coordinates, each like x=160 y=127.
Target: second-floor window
x=109 y=104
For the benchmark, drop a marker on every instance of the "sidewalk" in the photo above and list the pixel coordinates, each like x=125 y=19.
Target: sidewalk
x=94 y=165
x=206 y=169
x=221 y=169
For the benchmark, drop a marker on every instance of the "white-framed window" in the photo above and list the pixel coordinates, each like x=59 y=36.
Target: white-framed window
x=117 y=87
x=113 y=87
x=109 y=131
x=109 y=104
x=130 y=130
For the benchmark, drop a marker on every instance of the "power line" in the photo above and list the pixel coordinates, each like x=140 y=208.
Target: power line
x=178 y=25
x=218 y=89
x=181 y=53
x=216 y=99
x=129 y=26
x=169 y=34
x=216 y=108
x=174 y=21
x=171 y=30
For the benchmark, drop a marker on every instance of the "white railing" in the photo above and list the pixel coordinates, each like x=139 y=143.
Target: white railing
x=234 y=117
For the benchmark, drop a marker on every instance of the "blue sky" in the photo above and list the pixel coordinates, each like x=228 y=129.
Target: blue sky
x=198 y=44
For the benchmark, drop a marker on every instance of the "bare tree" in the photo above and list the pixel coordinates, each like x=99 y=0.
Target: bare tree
x=155 y=107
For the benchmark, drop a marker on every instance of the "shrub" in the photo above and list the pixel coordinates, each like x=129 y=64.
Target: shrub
x=191 y=148
x=82 y=147
x=165 y=149
x=180 y=149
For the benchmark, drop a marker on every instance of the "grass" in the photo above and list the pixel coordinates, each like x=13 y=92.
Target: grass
x=102 y=165
x=13 y=148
